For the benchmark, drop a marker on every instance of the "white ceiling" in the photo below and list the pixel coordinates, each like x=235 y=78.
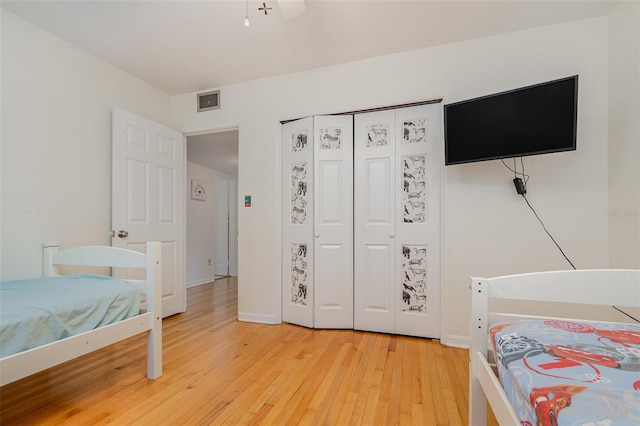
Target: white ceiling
x=187 y=46
x=218 y=151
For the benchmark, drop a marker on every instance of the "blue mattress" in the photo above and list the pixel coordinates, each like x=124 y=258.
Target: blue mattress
x=572 y=373
x=39 y=311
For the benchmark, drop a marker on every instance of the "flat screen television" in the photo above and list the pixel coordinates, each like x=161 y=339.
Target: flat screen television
x=536 y=119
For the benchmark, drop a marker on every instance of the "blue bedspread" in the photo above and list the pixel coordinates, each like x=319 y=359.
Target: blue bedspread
x=39 y=311
x=572 y=373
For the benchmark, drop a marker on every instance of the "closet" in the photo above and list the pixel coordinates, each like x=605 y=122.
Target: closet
x=361 y=221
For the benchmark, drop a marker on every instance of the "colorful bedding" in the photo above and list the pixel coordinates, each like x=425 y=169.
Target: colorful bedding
x=570 y=373
x=39 y=311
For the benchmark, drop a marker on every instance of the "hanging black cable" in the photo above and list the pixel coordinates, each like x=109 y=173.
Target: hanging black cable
x=523 y=191
x=545 y=230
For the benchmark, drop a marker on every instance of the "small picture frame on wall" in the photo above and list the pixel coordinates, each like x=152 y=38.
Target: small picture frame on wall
x=198 y=190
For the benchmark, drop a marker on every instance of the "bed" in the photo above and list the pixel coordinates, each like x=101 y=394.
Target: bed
x=107 y=316
x=589 y=370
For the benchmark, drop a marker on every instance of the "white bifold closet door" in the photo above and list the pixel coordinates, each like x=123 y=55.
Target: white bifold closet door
x=317 y=246
x=397 y=221
x=361 y=235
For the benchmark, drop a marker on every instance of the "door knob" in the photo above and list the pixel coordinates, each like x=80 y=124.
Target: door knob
x=123 y=234
x=392 y=235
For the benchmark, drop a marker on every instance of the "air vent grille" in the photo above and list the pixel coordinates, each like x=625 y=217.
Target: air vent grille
x=208 y=101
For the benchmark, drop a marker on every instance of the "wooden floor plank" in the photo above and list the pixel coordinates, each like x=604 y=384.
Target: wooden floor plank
x=218 y=370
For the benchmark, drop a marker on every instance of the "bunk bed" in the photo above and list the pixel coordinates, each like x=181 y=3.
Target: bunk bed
x=546 y=371
x=106 y=317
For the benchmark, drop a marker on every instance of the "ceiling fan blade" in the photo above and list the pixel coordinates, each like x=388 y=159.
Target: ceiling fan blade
x=291 y=8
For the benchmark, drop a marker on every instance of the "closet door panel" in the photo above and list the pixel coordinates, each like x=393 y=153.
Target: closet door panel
x=375 y=216
x=376 y=259
x=330 y=193
x=419 y=159
x=333 y=219
x=297 y=223
x=376 y=307
x=377 y=191
x=331 y=299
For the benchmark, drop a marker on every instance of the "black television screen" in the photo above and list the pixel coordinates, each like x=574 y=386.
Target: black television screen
x=530 y=120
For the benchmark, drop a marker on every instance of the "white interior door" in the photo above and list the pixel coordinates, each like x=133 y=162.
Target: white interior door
x=297 y=222
x=148 y=196
x=375 y=288
x=333 y=217
x=418 y=224
x=221 y=225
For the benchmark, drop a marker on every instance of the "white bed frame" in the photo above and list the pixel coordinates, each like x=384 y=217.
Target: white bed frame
x=23 y=364
x=595 y=287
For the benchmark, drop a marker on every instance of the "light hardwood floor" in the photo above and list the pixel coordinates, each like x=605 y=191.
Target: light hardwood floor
x=221 y=371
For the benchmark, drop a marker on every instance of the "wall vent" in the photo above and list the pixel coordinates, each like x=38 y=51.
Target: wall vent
x=209 y=100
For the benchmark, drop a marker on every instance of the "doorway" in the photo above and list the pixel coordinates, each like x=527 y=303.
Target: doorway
x=212 y=175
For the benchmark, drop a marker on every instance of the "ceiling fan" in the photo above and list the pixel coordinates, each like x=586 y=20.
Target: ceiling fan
x=289 y=9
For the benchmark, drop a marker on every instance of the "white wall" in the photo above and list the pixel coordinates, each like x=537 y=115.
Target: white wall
x=624 y=135
x=489 y=230
x=200 y=229
x=56 y=142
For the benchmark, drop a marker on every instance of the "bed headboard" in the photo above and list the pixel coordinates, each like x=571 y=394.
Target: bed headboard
x=91 y=256
x=620 y=287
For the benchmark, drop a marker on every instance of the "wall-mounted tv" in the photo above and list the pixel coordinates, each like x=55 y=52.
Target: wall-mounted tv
x=536 y=119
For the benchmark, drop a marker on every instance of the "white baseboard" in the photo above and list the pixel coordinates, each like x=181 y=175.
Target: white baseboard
x=456 y=341
x=259 y=318
x=206 y=280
